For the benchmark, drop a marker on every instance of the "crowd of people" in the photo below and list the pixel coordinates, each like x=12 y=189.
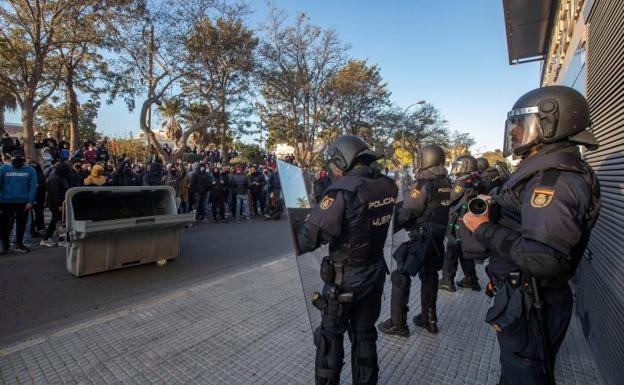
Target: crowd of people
x=214 y=190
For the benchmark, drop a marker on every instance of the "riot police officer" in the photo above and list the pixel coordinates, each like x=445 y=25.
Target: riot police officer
x=353 y=217
x=467 y=185
x=539 y=230
x=425 y=215
x=491 y=177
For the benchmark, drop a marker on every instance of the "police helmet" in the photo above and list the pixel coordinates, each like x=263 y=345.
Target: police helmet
x=345 y=150
x=482 y=164
x=464 y=165
x=548 y=115
x=429 y=156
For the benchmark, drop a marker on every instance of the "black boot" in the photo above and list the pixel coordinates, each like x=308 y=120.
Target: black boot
x=446 y=286
x=430 y=322
x=387 y=327
x=471 y=283
x=397 y=323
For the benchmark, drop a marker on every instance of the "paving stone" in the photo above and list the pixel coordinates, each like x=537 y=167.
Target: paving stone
x=253 y=328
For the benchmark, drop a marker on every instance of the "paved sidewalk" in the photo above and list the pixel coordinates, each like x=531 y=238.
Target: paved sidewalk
x=252 y=328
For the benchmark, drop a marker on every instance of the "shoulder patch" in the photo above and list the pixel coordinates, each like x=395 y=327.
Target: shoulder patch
x=326 y=203
x=415 y=193
x=458 y=189
x=542 y=197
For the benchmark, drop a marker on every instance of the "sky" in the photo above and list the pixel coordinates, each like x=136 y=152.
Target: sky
x=451 y=53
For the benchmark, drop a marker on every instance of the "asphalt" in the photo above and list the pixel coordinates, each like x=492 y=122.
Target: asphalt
x=37 y=293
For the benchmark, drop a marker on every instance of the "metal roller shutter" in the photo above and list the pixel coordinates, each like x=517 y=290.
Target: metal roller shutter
x=600 y=293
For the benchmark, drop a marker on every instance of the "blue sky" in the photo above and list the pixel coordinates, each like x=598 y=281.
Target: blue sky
x=450 y=53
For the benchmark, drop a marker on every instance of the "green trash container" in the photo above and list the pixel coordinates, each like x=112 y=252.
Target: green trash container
x=115 y=227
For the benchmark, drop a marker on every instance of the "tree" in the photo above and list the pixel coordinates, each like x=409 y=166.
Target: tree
x=496 y=156
x=298 y=63
x=360 y=98
x=57 y=119
x=170 y=110
x=7 y=102
x=458 y=145
x=222 y=57
x=148 y=45
x=82 y=65
x=29 y=68
x=421 y=127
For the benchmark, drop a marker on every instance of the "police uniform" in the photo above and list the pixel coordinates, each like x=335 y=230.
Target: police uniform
x=424 y=215
x=353 y=216
x=491 y=178
x=463 y=190
x=546 y=211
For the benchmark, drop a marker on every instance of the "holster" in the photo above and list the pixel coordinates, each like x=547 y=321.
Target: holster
x=332 y=303
x=509 y=304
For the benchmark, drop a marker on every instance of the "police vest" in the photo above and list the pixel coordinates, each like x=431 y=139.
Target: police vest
x=549 y=166
x=370 y=201
x=436 y=211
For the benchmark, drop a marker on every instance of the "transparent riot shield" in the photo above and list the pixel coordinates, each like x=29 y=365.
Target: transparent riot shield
x=298 y=202
x=397 y=235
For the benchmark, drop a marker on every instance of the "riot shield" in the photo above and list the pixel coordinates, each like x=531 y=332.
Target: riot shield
x=298 y=202
x=398 y=234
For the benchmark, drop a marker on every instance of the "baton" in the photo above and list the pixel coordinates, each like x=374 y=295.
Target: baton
x=539 y=311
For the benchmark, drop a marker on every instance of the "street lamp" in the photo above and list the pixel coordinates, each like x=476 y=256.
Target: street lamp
x=403 y=131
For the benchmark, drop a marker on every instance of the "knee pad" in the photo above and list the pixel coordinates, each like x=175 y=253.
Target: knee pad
x=399 y=279
x=365 y=350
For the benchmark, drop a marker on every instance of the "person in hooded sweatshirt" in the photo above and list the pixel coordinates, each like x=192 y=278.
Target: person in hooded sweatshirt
x=154 y=175
x=18 y=192
x=96 y=178
x=56 y=186
x=201 y=183
x=191 y=193
x=217 y=196
x=37 y=223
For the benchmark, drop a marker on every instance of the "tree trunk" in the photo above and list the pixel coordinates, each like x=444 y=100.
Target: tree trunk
x=224 y=123
x=2 y=106
x=181 y=143
x=74 y=133
x=27 y=124
x=149 y=133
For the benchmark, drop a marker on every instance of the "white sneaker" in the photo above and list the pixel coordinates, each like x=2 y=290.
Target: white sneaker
x=47 y=243
x=63 y=244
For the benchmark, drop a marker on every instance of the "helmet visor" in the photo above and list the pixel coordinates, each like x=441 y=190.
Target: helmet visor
x=522 y=131
x=458 y=168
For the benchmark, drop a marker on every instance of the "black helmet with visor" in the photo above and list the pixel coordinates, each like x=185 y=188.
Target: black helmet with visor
x=547 y=115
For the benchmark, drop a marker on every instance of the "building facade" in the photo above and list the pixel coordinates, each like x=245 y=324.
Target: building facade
x=581 y=45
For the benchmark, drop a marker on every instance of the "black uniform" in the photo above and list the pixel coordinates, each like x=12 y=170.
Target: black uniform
x=463 y=190
x=491 y=178
x=353 y=217
x=425 y=215
x=547 y=209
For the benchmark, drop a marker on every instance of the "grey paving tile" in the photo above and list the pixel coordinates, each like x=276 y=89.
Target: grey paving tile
x=254 y=329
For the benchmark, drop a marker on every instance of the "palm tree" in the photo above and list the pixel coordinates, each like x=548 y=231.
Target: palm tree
x=7 y=102
x=170 y=110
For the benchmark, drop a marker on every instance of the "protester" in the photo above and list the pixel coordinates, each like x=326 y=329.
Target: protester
x=57 y=185
x=18 y=192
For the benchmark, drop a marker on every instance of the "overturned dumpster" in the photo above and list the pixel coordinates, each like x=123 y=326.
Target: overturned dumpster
x=114 y=227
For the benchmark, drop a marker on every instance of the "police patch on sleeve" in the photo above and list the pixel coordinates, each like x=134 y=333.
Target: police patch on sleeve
x=326 y=203
x=415 y=193
x=458 y=189
x=542 y=197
